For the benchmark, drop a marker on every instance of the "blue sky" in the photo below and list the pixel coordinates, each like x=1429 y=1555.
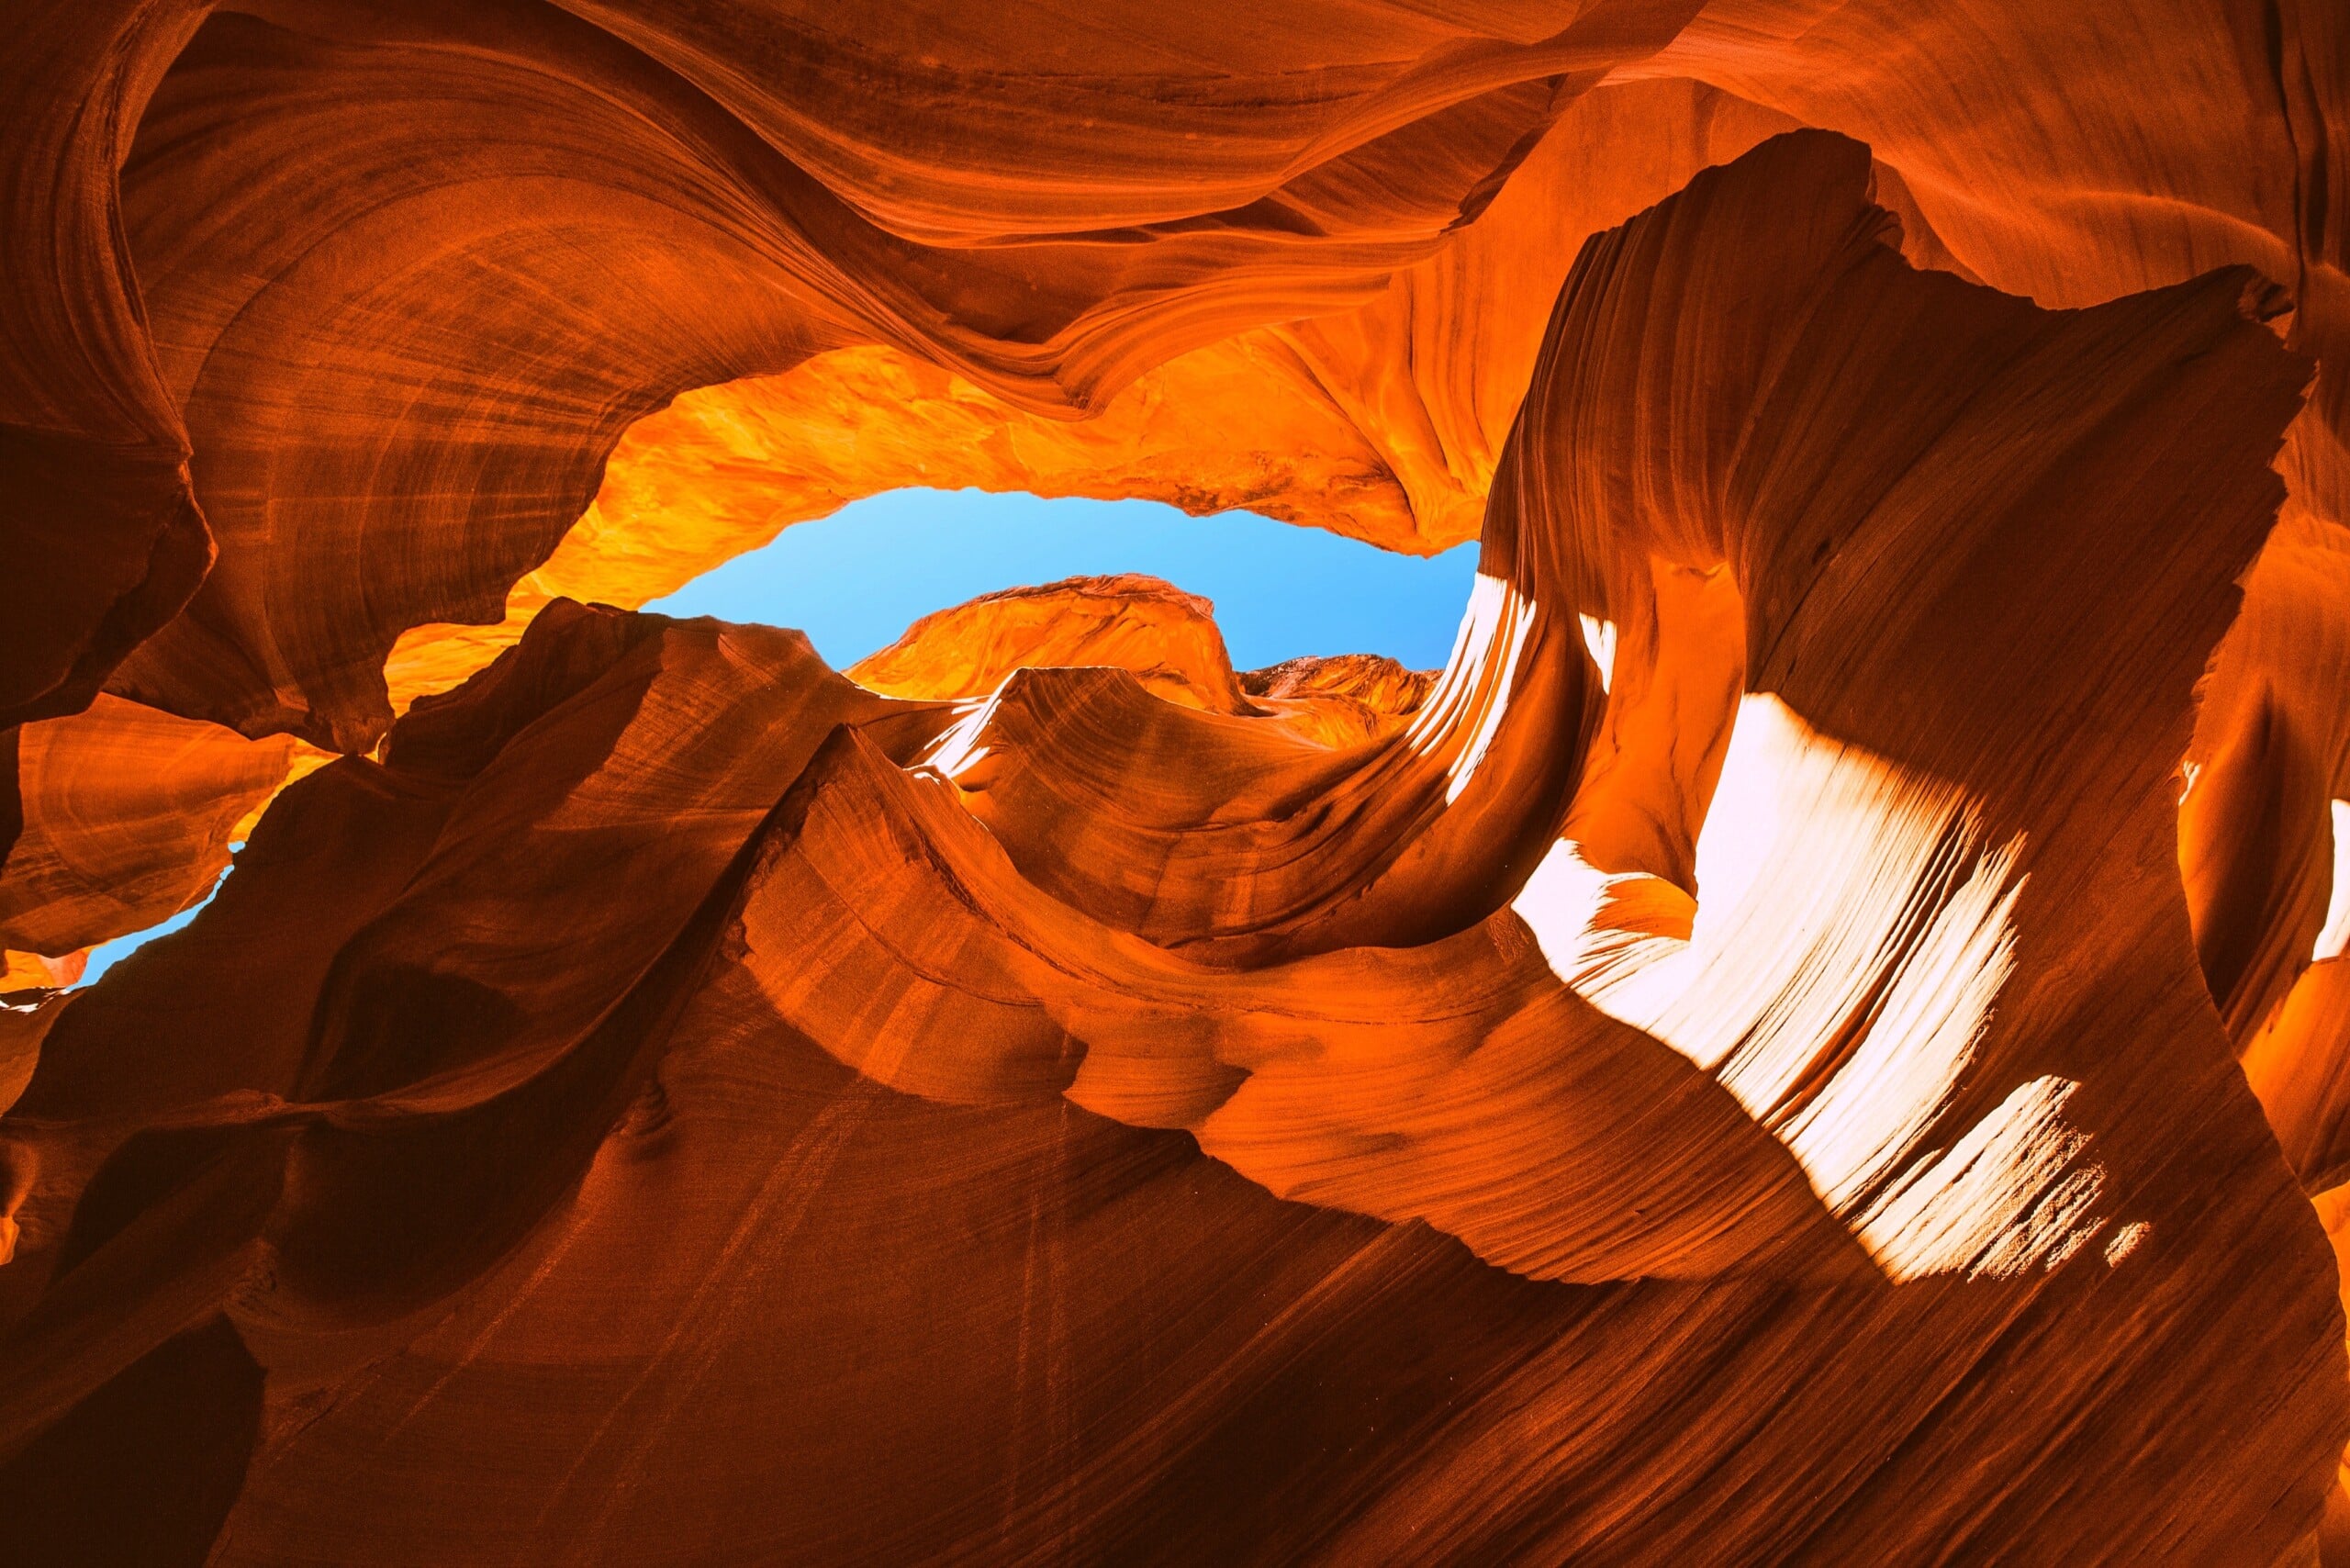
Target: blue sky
x=105 y=955
x=855 y=580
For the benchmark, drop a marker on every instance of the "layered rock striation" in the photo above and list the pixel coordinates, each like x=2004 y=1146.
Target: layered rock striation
x=1818 y=1036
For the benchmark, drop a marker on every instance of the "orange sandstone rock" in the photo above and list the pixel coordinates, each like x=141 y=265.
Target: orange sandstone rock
x=1818 y=1036
x=128 y=817
x=1167 y=637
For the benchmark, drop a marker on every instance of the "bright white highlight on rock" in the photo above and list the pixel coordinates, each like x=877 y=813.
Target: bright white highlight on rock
x=2335 y=935
x=959 y=749
x=1475 y=689
x=2011 y=1196
x=1599 y=636
x=1851 y=934
x=2125 y=1241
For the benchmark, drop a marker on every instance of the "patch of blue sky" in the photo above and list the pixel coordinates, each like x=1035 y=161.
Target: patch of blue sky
x=855 y=580
x=105 y=955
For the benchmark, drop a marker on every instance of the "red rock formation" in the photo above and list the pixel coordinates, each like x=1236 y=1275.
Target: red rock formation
x=1340 y=698
x=126 y=818
x=1166 y=637
x=1741 y=1066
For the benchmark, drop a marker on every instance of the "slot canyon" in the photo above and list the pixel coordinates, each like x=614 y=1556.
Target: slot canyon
x=1819 y=1034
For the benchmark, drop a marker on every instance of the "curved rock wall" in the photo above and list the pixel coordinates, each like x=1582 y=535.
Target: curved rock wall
x=1817 y=1036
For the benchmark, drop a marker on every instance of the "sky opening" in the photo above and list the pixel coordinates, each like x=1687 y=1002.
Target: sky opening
x=855 y=580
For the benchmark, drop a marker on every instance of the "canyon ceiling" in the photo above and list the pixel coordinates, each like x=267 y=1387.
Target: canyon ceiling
x=1821 y=1035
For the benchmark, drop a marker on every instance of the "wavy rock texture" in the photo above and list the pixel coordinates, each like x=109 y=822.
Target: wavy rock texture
x=1167 y=637
x=1820 y=1035
x=126 y=818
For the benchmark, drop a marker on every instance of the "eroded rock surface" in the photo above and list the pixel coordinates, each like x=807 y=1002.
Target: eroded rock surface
x=1820 y=1035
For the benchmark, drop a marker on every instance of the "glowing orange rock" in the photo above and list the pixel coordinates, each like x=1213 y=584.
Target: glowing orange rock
x=1743 y=1064
x=1167 y=637
x=2265 y=838
x=128 y=817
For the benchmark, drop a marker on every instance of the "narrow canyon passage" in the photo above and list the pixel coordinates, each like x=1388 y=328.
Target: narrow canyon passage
x=1684 y=901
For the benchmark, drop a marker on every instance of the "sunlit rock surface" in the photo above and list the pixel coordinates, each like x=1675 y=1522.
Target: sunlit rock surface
x=1820 y=1035
x=1166 y=637
x=126 y=814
